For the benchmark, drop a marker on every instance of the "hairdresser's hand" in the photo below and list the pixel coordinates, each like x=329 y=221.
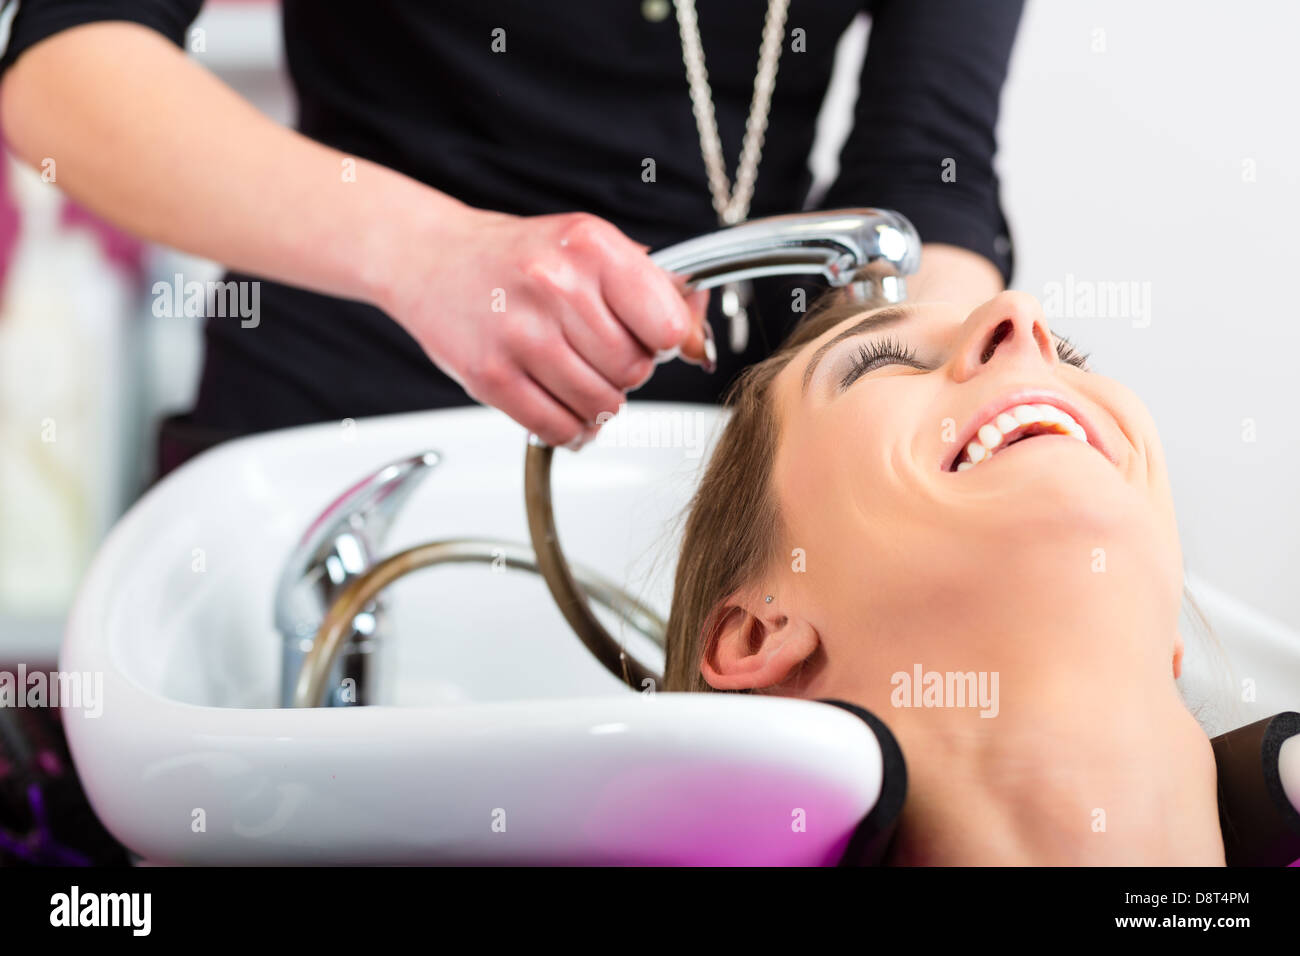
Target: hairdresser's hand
x=551 y=319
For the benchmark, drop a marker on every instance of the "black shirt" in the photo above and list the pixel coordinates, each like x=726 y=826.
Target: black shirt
x=562 y=121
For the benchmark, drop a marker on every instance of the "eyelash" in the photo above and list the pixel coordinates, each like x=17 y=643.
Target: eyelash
x=871 y=352
x=1068 y=354
x=870 y=355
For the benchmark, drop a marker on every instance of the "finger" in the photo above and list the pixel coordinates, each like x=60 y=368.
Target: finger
x=697 y=300
x=644 y=298
x=604 y=342
x=698 y=346
x=572 y=382
x=532 y=406
x=590 y=328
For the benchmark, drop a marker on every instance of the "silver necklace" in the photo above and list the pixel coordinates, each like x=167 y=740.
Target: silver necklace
x=732 y=207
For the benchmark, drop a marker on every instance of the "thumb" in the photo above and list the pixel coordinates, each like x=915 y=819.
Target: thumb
x=698 y=346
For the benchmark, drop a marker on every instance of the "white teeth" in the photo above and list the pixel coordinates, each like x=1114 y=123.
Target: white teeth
x=1025 y=414
x=990 y=437
x=991 y=434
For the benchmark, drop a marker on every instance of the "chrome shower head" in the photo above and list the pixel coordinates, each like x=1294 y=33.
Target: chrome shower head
x=868 y=250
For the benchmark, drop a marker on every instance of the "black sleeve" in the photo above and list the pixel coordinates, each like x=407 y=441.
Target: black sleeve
x=930 y=92
x=869 y=843
x=1260 y=826
x=38 y=19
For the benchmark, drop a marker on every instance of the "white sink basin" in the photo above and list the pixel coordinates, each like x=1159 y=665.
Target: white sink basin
x=491 y=711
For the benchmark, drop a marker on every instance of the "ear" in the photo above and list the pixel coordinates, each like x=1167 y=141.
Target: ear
x=756 y=644
x=1178 y=655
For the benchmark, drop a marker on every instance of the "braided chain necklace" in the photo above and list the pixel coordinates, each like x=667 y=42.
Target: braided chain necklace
x=732 y=207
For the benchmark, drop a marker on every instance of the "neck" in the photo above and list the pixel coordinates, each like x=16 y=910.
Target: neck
x=1090 y=757
x=1135 y=784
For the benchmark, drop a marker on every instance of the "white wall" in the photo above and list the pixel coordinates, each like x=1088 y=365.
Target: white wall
x=1156 y=143
x=1135 y=164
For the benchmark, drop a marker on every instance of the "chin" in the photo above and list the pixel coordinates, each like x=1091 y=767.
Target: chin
x=1077 y=506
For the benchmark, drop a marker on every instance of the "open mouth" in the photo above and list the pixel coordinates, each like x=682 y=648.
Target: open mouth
x=1016 y=424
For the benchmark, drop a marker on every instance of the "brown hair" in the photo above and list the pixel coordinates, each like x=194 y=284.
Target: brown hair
x=733 y=530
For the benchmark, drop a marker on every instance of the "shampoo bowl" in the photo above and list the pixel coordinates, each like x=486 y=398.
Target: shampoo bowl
x=497 y=737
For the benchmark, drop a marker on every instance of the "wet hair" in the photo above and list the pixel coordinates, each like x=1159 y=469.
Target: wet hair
x=733 y=530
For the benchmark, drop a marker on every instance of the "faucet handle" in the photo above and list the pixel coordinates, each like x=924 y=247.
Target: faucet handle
x=342 y=543
x=871 y=250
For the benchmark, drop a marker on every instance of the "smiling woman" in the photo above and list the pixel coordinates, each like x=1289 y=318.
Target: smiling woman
x=862 y=518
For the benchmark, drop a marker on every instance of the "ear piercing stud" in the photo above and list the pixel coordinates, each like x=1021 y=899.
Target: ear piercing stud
x=768 y=599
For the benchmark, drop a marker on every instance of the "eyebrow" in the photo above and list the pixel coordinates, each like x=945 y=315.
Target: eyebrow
x=877 y=320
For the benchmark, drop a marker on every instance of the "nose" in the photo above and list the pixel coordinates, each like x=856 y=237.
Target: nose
x=1008 y=328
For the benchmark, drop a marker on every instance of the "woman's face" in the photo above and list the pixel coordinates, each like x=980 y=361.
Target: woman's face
x=875 y=413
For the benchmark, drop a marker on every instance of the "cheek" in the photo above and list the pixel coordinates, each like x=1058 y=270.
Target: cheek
x=842 y=456
x=1150 y=471
x=1142 y=454
x=849 y=482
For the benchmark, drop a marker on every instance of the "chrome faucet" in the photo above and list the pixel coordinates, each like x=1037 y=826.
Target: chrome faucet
x=328 y=606
x=342 y=544
x=868 y=250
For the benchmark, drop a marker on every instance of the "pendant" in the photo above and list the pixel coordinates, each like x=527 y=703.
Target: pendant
x=735 y=297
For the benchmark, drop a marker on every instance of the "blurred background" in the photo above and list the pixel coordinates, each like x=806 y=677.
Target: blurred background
x=86 y=369
x=1146 y=151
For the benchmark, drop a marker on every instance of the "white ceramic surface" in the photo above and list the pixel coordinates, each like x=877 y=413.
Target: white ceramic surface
x=491 y=710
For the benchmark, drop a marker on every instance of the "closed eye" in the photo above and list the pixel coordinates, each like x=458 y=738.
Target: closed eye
x=873 y=355
x=1068 y=354
x=890 y=351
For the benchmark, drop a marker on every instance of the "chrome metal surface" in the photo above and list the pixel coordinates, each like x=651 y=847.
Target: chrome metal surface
x=872 y=250
x=342 y=544
x=314 y=676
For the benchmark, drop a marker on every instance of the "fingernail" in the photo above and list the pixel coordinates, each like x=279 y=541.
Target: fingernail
x=710 y=349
